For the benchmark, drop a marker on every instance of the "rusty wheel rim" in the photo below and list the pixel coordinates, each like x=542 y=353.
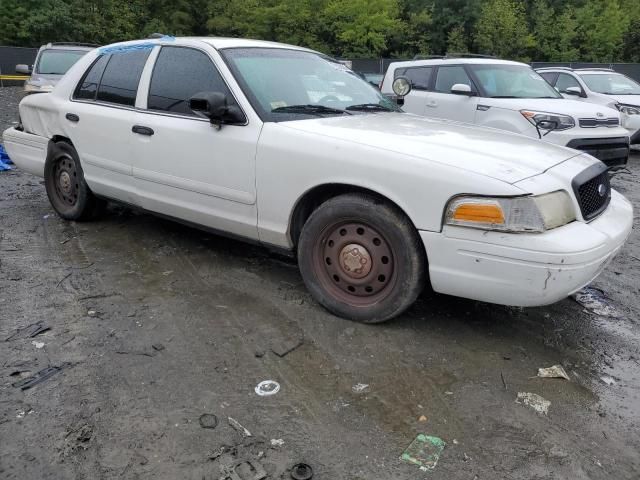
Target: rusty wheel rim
x=65 y=180
x=355 y=263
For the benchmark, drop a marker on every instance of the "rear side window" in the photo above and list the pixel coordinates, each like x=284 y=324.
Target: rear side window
x=449 y=76
x=88 y=86
x=121 y=77
x=180 y=73
x=419 y=76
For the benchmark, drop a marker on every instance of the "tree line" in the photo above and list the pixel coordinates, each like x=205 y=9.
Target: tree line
x=542 y=30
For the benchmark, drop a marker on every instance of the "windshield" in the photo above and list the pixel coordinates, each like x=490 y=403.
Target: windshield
x=57 y=62
x=610 y=83
x=292 y=85
x=512 y=81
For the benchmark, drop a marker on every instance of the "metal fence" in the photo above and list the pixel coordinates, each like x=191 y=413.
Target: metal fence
x=9 y=58
x=380 y=65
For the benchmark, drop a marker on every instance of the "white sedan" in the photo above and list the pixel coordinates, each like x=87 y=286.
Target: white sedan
x=286 y=147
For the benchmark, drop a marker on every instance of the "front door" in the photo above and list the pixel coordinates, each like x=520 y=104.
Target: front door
x=444 y=104
x=184 y=166
x=420 y=77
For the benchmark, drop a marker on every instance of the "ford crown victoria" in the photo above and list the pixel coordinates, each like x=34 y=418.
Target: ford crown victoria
x=284 y=146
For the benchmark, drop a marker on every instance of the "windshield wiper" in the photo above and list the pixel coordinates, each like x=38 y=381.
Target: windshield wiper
x=503 y=96
x=310 y=109
x=366 y=107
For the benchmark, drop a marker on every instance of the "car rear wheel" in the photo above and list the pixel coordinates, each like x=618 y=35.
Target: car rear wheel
x=66 y=188
x=361 y=258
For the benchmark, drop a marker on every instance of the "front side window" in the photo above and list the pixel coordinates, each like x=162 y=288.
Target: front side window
x=57 y=62
x=180 y=73
x=612 y=84
x=284 y=84
x=512 y=81
x=419 y=76
x=450 y=76
x=565 y=81
x=121 y=76
x=550 y=77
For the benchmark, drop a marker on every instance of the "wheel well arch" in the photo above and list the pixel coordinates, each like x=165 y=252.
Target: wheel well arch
x=61 y=138
x=319 y=194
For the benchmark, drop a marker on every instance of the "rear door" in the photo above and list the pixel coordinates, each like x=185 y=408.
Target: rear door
x=444 y=104
x=99 y=121
x=420 y=77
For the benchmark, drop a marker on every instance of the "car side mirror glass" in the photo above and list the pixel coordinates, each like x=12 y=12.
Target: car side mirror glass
x=24 y=69
x=462 y=89
x=577 y=91
x=215 y=107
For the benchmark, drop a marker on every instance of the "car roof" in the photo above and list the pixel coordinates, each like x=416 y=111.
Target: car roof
x=68 y=46
x=455 y=61
x=216 y=42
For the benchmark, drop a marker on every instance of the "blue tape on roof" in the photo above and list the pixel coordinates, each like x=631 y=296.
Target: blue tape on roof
x=134 y=46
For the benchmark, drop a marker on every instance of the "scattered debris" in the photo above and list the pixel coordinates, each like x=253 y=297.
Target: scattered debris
x=238 y=427
x=158 y=347
x=78 y=438
x=424 y=451
x=259 y=353
x=63 y=278
x=167 y=273
x=245 y=469
x=422 y=418
x=23 y=413
x=286 y=346
x=29 y=331
x=301 y=471
x=448 y=393
x=360 y=387
x=92 y=313
x=553 y=372
x=217 y=452
x=37 y=344
x=535 y=401
x=455 y=442
x=608 y=380
x=267 y=388
x=137 y=352
x=39 y=377
x=208 y=420
x=595 y=301
x=277 y=442
x=504 y=383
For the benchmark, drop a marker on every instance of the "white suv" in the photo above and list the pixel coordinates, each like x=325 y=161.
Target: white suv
x=509 y=96
x=601 y=86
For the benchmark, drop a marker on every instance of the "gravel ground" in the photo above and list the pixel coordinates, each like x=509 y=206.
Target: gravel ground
x=157 y=324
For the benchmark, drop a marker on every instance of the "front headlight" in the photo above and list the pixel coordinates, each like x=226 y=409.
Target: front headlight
x=548 y=121
x=515 y=214
x=628 y=109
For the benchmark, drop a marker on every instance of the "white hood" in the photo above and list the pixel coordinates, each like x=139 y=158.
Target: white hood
x=494 y=153
x=562 y=106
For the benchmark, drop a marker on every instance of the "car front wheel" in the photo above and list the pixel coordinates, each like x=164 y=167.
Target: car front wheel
x=361 y=258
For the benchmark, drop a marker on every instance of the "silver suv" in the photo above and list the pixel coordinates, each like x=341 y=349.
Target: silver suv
x=52 y=62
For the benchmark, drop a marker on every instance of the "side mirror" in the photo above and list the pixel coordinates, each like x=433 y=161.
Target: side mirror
x=462 y=89
x=24 y=69
x=215 y=107
x=577 y=91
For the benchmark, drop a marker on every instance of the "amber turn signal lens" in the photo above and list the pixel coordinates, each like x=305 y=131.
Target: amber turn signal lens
x=483 y=213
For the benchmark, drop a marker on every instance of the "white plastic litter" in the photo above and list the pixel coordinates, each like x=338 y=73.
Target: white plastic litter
x=360 y=387
x=37 y=344
x=267 y=388
x=553 y=372
x=535 y=401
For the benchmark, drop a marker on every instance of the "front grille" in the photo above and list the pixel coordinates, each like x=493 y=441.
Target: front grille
x=592 y=191
x=598 y=122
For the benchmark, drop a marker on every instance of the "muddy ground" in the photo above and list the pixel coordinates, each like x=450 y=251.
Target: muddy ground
x=157 y=324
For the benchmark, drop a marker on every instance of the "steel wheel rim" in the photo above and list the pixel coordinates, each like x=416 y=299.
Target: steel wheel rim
x=355 y=263
x=65 y=180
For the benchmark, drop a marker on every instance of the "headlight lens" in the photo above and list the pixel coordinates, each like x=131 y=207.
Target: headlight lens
x=516 y=214
x=549 y=121
x=628 y=109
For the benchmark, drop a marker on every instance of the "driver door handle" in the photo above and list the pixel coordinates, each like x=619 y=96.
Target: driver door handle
x=142 y=130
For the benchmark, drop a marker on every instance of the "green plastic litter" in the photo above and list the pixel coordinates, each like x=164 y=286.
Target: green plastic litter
x=424 y=451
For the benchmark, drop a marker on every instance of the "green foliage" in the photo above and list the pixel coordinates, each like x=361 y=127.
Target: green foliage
x=542 y=30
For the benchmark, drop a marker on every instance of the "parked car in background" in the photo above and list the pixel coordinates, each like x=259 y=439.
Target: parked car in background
x=509 y=96
x=284 y=146
x=51 y=63
x=601 y=86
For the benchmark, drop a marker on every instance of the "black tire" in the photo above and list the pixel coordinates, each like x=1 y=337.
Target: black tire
x=361 y=258
x=66 y=188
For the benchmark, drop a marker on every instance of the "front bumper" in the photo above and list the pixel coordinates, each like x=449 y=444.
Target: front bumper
x=526 y=269
x=613 y=151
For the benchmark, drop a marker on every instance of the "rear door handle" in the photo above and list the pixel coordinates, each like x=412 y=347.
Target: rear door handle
x=142 y=130
x=72 y=117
